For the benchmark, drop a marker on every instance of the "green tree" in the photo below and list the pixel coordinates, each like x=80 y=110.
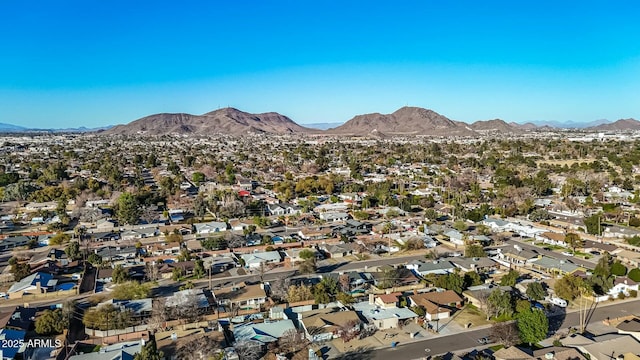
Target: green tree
x=574 y=241
x=120 y=274
x=94 y=259
x=474 y=250
x=593 y=224
x=199 y=270
x=460 y=225
x=452 y=281
x=500 y=303
x=50 y=322
x=128 y=209
x=59 y=239
x=131 y=290
x=533 y=326
x=510 y=278
x=73 y=251
x=535 y=291
x=149 y=351
x=568 y=287
x=20 y=270
x=198 y=178
x=618 y=269
x=634 y=275
x=472 y=278
x=107 y=317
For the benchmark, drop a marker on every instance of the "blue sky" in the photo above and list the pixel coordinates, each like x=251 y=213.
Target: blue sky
x=93 y=63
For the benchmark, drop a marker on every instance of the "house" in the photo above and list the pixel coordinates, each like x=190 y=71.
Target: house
x=601 y=347
x=293 y=254
x=13 y=242
x=383 y=317
x=386 y=300
x=314 y=233
x=116 y=253
x=553 y=238
x=478 y=295
x=433 y=311
x=8 y=338
x=337 y=251
x=283 y=209
x=554 y=266
x=401 y=277
x=516 y=256
x=631 y=327
x=455 y=237
x=122 y=350
x=266 y=332
x=333 y=216
x=324 y=325
x=189 y=297
x=185 y=267
x=210 y=227
x=447 y=298
x=18 y=318
x=238 y=225
x=140 y=308
x=623 y=284
x=105 y=225
x=242 y=296
x=41 y=206
x=219 y=264
x=424 y=268
x=629 y=257
x=105 y=275
x=254 y=260
x=33 y=284
x=477 y=264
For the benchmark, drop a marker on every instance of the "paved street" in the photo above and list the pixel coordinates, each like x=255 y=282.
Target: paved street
x=469 y=339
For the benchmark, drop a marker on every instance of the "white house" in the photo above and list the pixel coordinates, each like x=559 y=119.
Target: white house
x=255 y=259
x=210 y=227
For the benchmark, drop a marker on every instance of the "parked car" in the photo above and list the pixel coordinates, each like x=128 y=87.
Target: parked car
x=566 y=253
x=594 y=252
x=483 y=341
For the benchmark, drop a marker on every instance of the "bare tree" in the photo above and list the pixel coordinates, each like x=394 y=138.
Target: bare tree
x=248 y=350
x=505 y=334
x=200 y=348
x=158 y=315
x=292 y=341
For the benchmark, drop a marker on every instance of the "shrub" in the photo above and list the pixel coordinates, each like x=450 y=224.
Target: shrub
x=621 y=296
x=633 y=293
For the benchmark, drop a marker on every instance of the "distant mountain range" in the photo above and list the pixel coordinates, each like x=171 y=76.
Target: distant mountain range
x=404 y=121
x=9 y=128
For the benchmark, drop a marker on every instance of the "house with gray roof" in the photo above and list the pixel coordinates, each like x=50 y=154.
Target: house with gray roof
x=383 y=317
x=254 y=260
x=423 y=268
x=210 y=227
x=554 y=266
x=266 y=332
x=116 y=253
x=117 y=351
x=477 y=264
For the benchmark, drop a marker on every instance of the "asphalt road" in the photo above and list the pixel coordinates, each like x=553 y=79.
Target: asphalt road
x=469 y=339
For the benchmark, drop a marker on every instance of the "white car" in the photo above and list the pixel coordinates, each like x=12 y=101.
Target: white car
x=566 y=253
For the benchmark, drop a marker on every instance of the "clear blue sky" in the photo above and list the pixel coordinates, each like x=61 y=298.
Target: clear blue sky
x=70 y=62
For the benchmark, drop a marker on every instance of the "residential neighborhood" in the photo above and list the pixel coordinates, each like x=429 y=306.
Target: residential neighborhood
x=319 y=248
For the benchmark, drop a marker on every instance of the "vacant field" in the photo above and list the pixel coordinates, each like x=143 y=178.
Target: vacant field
x=471 y=314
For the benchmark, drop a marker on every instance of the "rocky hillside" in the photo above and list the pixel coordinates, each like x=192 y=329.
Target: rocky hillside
x=405 y=121
x=223 y=121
